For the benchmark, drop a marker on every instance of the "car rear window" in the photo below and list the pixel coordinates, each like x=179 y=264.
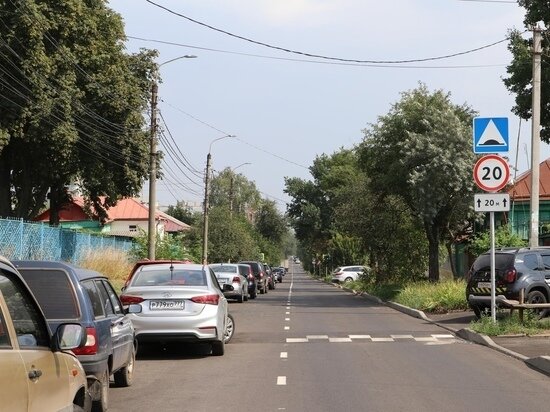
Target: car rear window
x=502 y=261
x=224 y=269
x=164 y=277
x=255 y=267
x=54 y=291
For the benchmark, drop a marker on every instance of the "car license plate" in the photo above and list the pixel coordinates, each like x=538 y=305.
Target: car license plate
x=222 y=281
x=166 y=305
x=484 y=285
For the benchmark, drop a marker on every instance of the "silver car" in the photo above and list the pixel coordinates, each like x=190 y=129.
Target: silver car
x=229 y=274
x=180 y=302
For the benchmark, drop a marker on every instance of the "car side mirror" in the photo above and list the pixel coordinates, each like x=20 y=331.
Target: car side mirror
x=134 y=308
x=69 y=336
x=228 y=288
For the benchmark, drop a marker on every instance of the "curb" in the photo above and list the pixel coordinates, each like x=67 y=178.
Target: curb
x=539 y=363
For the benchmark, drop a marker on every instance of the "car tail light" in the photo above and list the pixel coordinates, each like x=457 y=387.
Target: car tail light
x=129 y=299
x=236 y=279
x=206 y=299
x=251 y=277
x=90 y=348
x=510 y=275
x=261 y=275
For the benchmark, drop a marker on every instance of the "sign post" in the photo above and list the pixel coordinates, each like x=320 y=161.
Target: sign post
x=491 y=173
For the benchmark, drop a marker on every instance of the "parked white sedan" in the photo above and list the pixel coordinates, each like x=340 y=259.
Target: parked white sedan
x=180 y=302
x=229 y=274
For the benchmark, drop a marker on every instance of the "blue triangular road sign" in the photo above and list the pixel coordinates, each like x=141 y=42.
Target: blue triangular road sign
x=491 y=135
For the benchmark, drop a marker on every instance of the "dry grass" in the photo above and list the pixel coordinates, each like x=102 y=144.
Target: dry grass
x=111 y=262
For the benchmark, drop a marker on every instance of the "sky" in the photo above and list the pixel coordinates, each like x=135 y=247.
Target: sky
x=284 y=108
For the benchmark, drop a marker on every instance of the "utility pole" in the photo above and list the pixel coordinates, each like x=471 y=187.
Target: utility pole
x=231 y=193
x=535 y=138
x=205 y=211
x=152 y=231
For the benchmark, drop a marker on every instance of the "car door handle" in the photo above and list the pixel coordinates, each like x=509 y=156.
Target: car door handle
x=35 y=374
x=118 y=323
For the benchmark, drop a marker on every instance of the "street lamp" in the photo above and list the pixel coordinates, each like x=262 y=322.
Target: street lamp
x=152 y=230
x=231 y=186
x=206 y=204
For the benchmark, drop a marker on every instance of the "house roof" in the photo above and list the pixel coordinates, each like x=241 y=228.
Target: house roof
x=521 y=189
x=125 y=209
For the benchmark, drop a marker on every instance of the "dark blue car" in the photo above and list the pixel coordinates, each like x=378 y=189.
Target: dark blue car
x=68 y=293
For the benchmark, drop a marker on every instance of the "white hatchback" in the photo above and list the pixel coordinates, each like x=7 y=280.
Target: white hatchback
x=345 y=274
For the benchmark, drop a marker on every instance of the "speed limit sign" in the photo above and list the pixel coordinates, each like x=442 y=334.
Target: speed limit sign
x=491 y=173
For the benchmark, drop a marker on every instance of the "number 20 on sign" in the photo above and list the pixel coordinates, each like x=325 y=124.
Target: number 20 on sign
x=491 y=173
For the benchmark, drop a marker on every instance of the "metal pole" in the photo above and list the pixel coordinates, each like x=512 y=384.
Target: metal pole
x=205 y=212
x=493 y=294
x=152 y=233
x=535 y=139
x=231 y=193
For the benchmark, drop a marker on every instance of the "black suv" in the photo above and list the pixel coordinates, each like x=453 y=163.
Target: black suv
x=515 y=269
x=67 y=293
x=259 y=273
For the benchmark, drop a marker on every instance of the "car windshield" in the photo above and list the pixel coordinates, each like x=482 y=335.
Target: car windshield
x=166 y=276
x=224 y=269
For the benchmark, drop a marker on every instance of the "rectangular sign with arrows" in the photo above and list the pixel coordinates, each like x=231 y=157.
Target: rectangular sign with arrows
x=492 y=202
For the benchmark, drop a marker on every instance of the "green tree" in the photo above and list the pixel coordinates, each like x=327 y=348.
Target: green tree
x=520 y=70
x=504 y=237
x=421 y=152
x=181 y=212
x=72 y=106
x=230 y=238
x=227 y=185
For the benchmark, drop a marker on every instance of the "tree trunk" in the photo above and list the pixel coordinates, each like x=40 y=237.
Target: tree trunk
x=432 y=233
x=5 y=184
x=452 y=262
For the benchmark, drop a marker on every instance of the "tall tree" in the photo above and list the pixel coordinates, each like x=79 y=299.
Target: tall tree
x=421 y=151
x=71 y=104
x=520 y=72
x=230 y=187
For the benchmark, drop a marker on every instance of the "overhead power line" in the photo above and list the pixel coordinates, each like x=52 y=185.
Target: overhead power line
x=447 y=56
x=392 y=66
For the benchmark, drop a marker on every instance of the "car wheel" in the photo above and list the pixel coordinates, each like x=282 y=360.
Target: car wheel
x=102 y=403
x=348 y=280
x=246 y=296
x=125 y=376
x=229 y=329
x=218 y=348
x=536 y=296
x=240 y=299
x=253 y=295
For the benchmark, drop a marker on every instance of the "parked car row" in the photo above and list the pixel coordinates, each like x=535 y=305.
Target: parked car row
x=56 y=317
x=248 y=278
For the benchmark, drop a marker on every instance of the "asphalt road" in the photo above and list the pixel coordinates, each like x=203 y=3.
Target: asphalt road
x=308 y=346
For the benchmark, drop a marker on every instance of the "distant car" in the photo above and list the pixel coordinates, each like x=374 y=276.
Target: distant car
x=68 y=293
x=180 y=302
x=345 y=274
x=278 y=274
x=39 y=372
x=270 y=277
x=259 y=273
x=228 y=273
x=246 y=271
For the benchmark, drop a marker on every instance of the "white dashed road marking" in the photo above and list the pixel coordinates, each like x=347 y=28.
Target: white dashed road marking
x=432 y=339
x=281 y=380
x=284 y=355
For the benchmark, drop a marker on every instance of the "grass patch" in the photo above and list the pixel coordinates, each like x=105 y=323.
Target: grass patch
x=430 y=297
x=511 y=325
x=110 y=262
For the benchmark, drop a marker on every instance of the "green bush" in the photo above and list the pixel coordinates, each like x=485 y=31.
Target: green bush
x=431 y=297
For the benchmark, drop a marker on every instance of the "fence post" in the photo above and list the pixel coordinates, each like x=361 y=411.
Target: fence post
x=21 y=236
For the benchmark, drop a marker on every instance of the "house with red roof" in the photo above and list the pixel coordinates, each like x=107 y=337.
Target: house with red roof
x=128 y=218
x=520 y=204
